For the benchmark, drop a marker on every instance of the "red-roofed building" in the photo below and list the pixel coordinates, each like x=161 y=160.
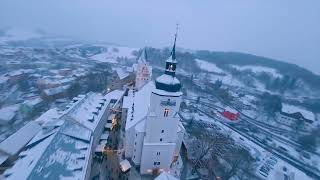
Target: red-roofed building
x=231 y=114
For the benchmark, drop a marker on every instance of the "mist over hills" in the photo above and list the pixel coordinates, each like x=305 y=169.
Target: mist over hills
x=233 y=65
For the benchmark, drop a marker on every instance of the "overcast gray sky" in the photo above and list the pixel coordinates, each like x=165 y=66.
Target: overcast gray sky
x=287 y=30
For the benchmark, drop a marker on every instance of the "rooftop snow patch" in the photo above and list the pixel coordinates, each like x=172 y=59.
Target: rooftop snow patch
x=137 y=104
x=14 y=143
x=3 y=79
x=33 y=102
x=3 y=157
x=89 y=110
x=122 y=73
x=167 y=79
x=51 y=114
x=55 y=155
x=125 y=165
x=207 y=66
x=8 y=113
x=56 y=90
x=229 y=109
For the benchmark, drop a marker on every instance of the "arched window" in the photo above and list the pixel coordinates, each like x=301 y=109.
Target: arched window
x=166 y=112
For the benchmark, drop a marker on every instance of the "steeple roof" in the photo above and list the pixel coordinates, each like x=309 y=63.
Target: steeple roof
x=167 y=81
x=143 y=56
x=172 y=57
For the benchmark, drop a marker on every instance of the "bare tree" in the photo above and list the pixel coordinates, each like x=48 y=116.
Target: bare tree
x=222 y=158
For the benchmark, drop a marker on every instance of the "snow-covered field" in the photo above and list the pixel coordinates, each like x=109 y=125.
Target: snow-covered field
x=259 y=69
x=293 y=109
x=113 y=53
x=226 y=79
x=207 y=66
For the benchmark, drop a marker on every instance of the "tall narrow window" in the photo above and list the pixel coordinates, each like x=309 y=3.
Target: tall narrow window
x=166 y=112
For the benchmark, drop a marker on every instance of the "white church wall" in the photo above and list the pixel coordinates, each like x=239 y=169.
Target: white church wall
x=160 y=128
x=129 y=139
x=137 y=147
x=178 y=143
x=154 y=153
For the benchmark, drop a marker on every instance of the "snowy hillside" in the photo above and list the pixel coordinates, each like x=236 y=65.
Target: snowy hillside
x=113 y=53
x=259 y=69
x=293 y=109
x=207 y=66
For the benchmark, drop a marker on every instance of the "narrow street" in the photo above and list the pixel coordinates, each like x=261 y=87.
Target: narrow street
x=114 y=152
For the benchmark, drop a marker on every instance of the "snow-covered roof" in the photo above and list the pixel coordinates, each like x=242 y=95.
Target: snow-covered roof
x=56 y=90
x=125 y=165
x=122 y=73
x=14 y=143
x=51 y=114
x=20 y=72
x=104 y=136
x=89 y=110
x=141 y=126
x=137 y=104
x=3 y=79
x=8 y=113
x=229 y=109
x=3 y=157
x=64 y=153
x=167 y=79
x=168 y=82
x=290 y=109
x=165 y=176
x=33 y=102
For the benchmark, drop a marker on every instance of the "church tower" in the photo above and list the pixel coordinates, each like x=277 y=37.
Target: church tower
x=161 y=127
x=143 y=73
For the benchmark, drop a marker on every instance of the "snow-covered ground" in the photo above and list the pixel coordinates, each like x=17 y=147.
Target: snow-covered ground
x=226 y=79
x=207 y=66
x=293 y=109
x=257 y=151
x=113 y=53
x=259 y=69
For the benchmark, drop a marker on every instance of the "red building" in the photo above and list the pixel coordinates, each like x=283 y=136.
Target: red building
x=231 y=114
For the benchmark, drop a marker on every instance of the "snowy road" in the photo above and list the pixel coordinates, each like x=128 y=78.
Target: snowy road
x=311 y=171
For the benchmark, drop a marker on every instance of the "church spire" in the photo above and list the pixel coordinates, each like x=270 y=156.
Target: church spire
x=167 y=81
x=171 y=62
x=173 y=53
x=143 y=56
